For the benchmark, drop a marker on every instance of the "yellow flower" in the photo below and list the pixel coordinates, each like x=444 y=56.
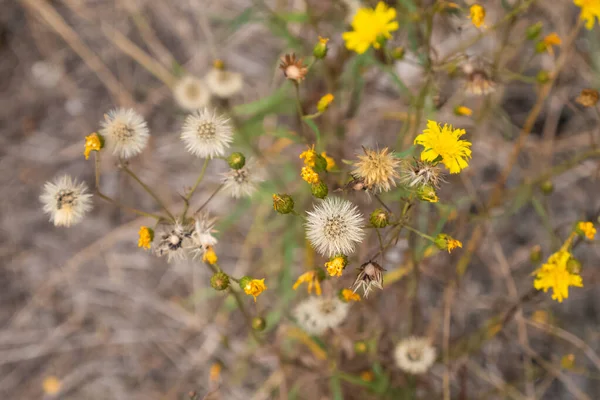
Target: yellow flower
x=51 y=385
x=146 y=235
x=587 y=229
x=336 y=265
x=554 y=275
x=312 y=279
x=445 y=143
x=567 y=361
x=447 y=242
x=367 y=376
x=324 y=102
x=309 y=156
x=590 y=10
x=330 y=161
x=348 y=295
x=215 y=372
x=309 y=175
x=552 y=40
x=477 y=15
x=93 y=142
x=255 y=287
x=463 y=111
x=370 y=28
x=210 y=257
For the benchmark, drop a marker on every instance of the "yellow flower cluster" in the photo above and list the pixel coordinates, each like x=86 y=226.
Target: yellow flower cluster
x=587 y=229
x=309 y=175
x=209 y=256
x=477 y=15
x=371 y=27
x=146 y=235
x=309 y=156
x=312 y=279
x=93 y=142
x=255 y=287
x=336 y=265
x=556 y=276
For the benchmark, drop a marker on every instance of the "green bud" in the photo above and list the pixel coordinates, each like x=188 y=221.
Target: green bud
x=533 y=31
x=321 y=275
x=360 y=347
x=245 y=281
x=379 y=218
x=540 y=47
x=320 y=163
x=283 y=203
x=259 y=324
x=236 y=160
x=398 y=53
x=319 y=190
x=574 y=266
x=547 y=187
x=427 y=193
x=542 y=77
x=535 y=254
x=219 y=281
x=320 y=49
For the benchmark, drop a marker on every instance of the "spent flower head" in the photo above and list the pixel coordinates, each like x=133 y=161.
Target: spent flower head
x=317 y=314
x=293 y=68
x=378 y=169
x=222 y=83
x=371 y=27
x=206 y=134
x=253 y=287
x=125 y=131
x=191 y=93
x=588 y=97
x=370 y=275
x=202 y=237
x=242 y=182
x=414 y=355
x=66 y=201
x=444 y=143
x=174 y=239
x=416 y=173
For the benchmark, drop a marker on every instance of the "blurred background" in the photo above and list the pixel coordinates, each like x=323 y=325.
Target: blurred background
x=85 y=314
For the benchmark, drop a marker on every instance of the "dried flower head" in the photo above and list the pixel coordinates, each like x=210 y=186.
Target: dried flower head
x=293 y=68
x=206 y=134
x=317 y=314
x=125 y=131
x=370 y=276
x=414 y=355
x=588 y=97
x=378 y=169
x=223 y=83
x=312 y=279
x=242 y=182
x=479 y=83
x=66 y=201
x=191 y=93
x=334 y=226
x=174 y=240
x=416 y=173
x=202 y=236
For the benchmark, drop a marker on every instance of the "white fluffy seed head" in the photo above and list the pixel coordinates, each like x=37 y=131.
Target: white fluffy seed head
x=334 y=227
x=242 y=182
x=317 y=314
x=224 y=84
x=206 y=134
x=191 y=93
x=174 y=240
x=66 y=201
x=414 y=355
x=125 y=131
x=202 y=237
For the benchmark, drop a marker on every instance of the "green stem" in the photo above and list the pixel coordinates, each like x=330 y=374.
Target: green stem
x=420 y=233
x=209 y=199
x=193 y=189
x=149 y=191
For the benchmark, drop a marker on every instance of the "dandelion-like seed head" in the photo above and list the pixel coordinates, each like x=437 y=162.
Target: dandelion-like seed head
x=125 y=131
x=242 y=182
x=206 y=134
x=416 y=173
x=334 y=227
x=223 y=83
x=370 y=276
x=378 y=169
x=317 y=314
x=66 y=201
x=202 y=237
x=414 y=355
x=191 y=93
x=174 y=240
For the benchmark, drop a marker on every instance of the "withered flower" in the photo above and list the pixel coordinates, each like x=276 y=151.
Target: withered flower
x=293 y=68
x=370 y=276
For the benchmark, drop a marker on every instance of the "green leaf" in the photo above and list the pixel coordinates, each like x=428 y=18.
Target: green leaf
x=315 y=129
x=265 y=104
x=295 y=17
x=336 y=388
x=241 y=19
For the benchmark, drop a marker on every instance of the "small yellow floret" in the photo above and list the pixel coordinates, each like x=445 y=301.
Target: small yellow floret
x=309 y=156
x=309 y=175
x=255 y=287
x=348 y=295
x=330 y=161
x=146 y=236
x=587 y=228
x=209 y=256
x=92 y=143
x=554 y=275
x=336 y=266
x=463 y=111
x=51 y=385
x=477 y=15
x=215 y=372
x=311 y=278
x=367 y=376
x=324 y=102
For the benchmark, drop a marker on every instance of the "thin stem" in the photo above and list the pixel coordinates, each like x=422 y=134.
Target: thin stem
x=209 y=199
x=150 y=192
x=420 y=233
x=247 y=315
x=193 y=189
x=382 y=203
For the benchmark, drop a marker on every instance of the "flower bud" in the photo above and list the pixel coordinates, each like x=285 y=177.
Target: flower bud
x=547 y=187
x=541 y=47
x=259 y=324
x=319 y=190
x=533 y=31
x=320 y=163
x=283 y=203
x=463 y=111
x=574 y=266
x=535 y=254
x=542 y=77
x=324 y=102
x=236 y=160
x=427 y=193
x=320 y=49
x=398 y=53
x=379 y=218
x=219 y=281
x=244 y=281
x=360 y=347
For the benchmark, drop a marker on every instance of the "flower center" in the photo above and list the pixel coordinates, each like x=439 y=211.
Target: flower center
x=65 y=198
x=122 y=131
x=192 y=90
x=328 y=307
x=174 y=241
x=240 y=176
x=414 y=354
x=206 y=130
x=334 y=227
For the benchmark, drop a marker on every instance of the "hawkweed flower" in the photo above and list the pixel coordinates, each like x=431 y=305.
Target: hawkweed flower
x=125 y=131
x=588 y=97
x=590 y=10
x=202 y=236
x=370 y=276
x=223 y=83
x=336 y=265
x=447 y=242
x=293 y=68
x=317 y=314
x=371 y=27
x=445 y=143
x=242 y=182
x=347 y=295
x=312 y=280
x=477 y=15
x=253 y=287
x=586 y=229
x=174 y=240
x=309 y=175
x=555 y=275
x=66 y=201
x=324 y=102
x=191 y=93
x=415 y=174
x=206 y=134
x=414 y=355
x=146 y=235
x=93 y=142
x=378 y=169
x=209 y=256
x=334 y=226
